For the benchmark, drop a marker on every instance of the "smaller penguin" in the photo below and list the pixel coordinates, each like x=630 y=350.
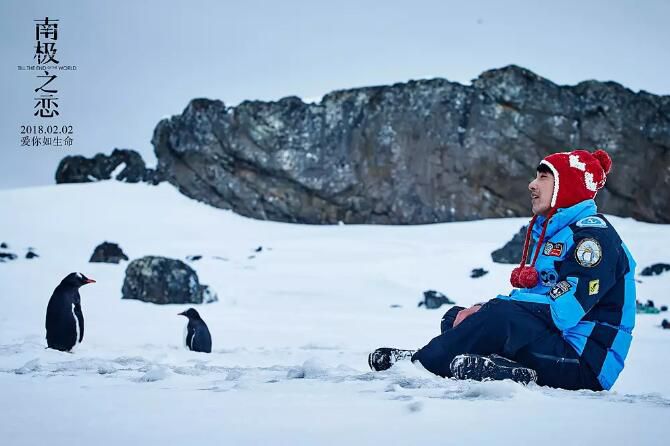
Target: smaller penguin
x=65 y=320
x=197 y=336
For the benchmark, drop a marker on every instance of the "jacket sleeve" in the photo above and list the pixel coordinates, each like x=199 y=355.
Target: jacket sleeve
x=587 y=273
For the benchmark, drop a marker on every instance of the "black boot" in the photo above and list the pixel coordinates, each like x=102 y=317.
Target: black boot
x=383 y=358
x=492 y=367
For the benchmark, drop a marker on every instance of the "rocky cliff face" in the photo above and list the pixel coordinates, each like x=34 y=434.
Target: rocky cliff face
x=419 y=152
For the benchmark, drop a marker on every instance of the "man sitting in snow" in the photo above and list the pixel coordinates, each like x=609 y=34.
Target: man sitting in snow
x=568 y=323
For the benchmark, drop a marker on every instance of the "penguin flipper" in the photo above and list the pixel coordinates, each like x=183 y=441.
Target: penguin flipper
x=190 y=335
x=80 y=319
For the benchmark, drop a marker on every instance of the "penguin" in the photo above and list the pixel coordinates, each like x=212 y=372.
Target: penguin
x=197 y=337
x=65 y=320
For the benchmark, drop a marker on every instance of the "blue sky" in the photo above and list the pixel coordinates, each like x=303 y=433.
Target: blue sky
x=141 y=61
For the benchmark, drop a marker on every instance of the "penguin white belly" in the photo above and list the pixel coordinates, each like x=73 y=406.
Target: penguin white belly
x=76 y=326
x=185 y=337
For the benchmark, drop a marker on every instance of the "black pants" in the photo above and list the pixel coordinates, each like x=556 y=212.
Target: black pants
x=520 y=331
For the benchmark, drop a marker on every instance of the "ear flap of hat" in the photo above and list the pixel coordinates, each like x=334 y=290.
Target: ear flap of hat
x=554 y=171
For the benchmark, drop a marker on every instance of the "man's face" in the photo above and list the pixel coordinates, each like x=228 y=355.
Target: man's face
x=541 y=191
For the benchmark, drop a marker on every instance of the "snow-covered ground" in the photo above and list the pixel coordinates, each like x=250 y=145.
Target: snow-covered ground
x=291 y=333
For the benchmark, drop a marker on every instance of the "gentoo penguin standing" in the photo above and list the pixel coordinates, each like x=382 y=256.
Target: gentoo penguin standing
x=197 y=336
x=65 y=321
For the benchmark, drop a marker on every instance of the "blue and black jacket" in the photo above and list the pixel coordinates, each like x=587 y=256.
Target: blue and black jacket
x=587 y=282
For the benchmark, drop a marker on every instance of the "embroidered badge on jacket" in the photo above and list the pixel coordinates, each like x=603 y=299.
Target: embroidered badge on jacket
x=588 y=252
x=548 y=277
x=592 y=222
x=553 y=249
x=594 y=287
x=560 y=289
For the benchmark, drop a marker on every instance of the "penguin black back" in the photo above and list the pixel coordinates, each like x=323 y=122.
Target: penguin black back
x=65 y=319
x=197 y=338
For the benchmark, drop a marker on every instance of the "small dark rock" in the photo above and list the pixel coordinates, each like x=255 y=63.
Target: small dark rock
x=208 y=295
x=434 y=299
x=108 y=253
x=664 y=308
x=259 y=249
x=478 y=272
x=513 y=250
x=6 y=256
x=655 y=269
x=31 y=254
x=646 y=308
x=161 y=280
x=194 y=258
x=4 y=245
x=395 y=306
x=665 y=324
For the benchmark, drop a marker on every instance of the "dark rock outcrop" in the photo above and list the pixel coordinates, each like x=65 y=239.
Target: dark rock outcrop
x=655 y=269
x=161 y=280
x=7 y=256
x=419 y=152
x=124 y=164
x=434 y=299
x=513 y=250
x=108 y=253
x=478 y=272
x=31 y=254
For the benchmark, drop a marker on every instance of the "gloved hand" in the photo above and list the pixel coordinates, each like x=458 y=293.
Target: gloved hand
x=464 y=314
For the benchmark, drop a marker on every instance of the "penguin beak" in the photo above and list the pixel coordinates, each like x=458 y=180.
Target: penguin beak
x=181 y=314
x=89 y=280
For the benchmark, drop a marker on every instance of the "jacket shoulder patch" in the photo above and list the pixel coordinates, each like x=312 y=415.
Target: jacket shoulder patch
x=588 y=252
x=592 y=222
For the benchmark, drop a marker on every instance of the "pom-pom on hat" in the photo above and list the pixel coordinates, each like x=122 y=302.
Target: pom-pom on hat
x=578 y=175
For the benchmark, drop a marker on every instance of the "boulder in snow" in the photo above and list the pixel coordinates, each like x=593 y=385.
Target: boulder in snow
x=161 y=280
x=122 y=164
x=513 y=250
x=108 y=253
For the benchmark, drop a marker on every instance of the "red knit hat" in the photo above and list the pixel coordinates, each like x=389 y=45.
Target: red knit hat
x=578 y=176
